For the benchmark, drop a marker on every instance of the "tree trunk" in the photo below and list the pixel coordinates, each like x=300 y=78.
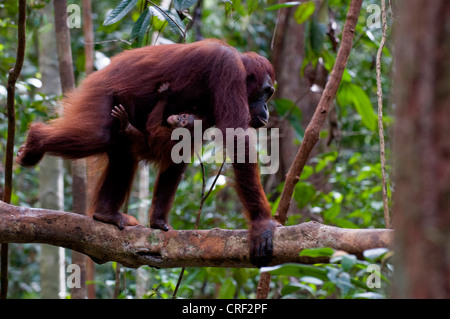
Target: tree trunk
x=78 y=166
x=422 y=150
x=51 y=192
x=52 y=258
x=144 y=193
x=91 y=167
x=288 y=56
x=287 y=61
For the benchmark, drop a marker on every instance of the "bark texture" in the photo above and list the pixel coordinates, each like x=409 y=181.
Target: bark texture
x=422 y=150
x=139 y=245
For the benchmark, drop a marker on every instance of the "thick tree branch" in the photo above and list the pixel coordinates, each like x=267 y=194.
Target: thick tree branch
x=137 y=246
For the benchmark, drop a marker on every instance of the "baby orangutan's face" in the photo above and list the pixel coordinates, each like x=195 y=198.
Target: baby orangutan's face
x=182 y=120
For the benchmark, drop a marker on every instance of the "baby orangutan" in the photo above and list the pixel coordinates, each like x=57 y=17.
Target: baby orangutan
x=174 y=121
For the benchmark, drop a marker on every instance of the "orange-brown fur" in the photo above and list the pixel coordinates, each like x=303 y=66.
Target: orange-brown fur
x=207 y=78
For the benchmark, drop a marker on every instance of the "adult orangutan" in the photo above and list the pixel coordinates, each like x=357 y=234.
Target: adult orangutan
x=209 y=78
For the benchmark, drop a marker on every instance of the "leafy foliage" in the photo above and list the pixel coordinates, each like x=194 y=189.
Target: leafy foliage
x=141 y=26
x=344 y=277
x=120 y=11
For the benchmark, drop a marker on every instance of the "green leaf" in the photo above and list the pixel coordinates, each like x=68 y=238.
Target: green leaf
x=241 y=276
x=331 y=213
x=348 y=261
x=252 y=5
x=311 y=280
x=374 y=254
x=304 y=193
x=306 y=172
x=181 y=5
x=318 y=32
x=287 y=108
x=297 y=270
x=321 y=165
x=351 y=94
x=275 y=205
x=323 y=13
x=141 y=25
x=354 y=159
x=343 y=95
x=283 y=5
x=288 y=289
x=227 y=290
x=304 y=11
x=158 y=20
x=317 y=252
x=340 y=279
x=364 y=108
x=174 y=22
x=344 y=223
x=325 y=159
x=335 y=275
x=120 y=11
x=291 y=288
x=364 y=214
x=323 y=134
x=329 y=59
